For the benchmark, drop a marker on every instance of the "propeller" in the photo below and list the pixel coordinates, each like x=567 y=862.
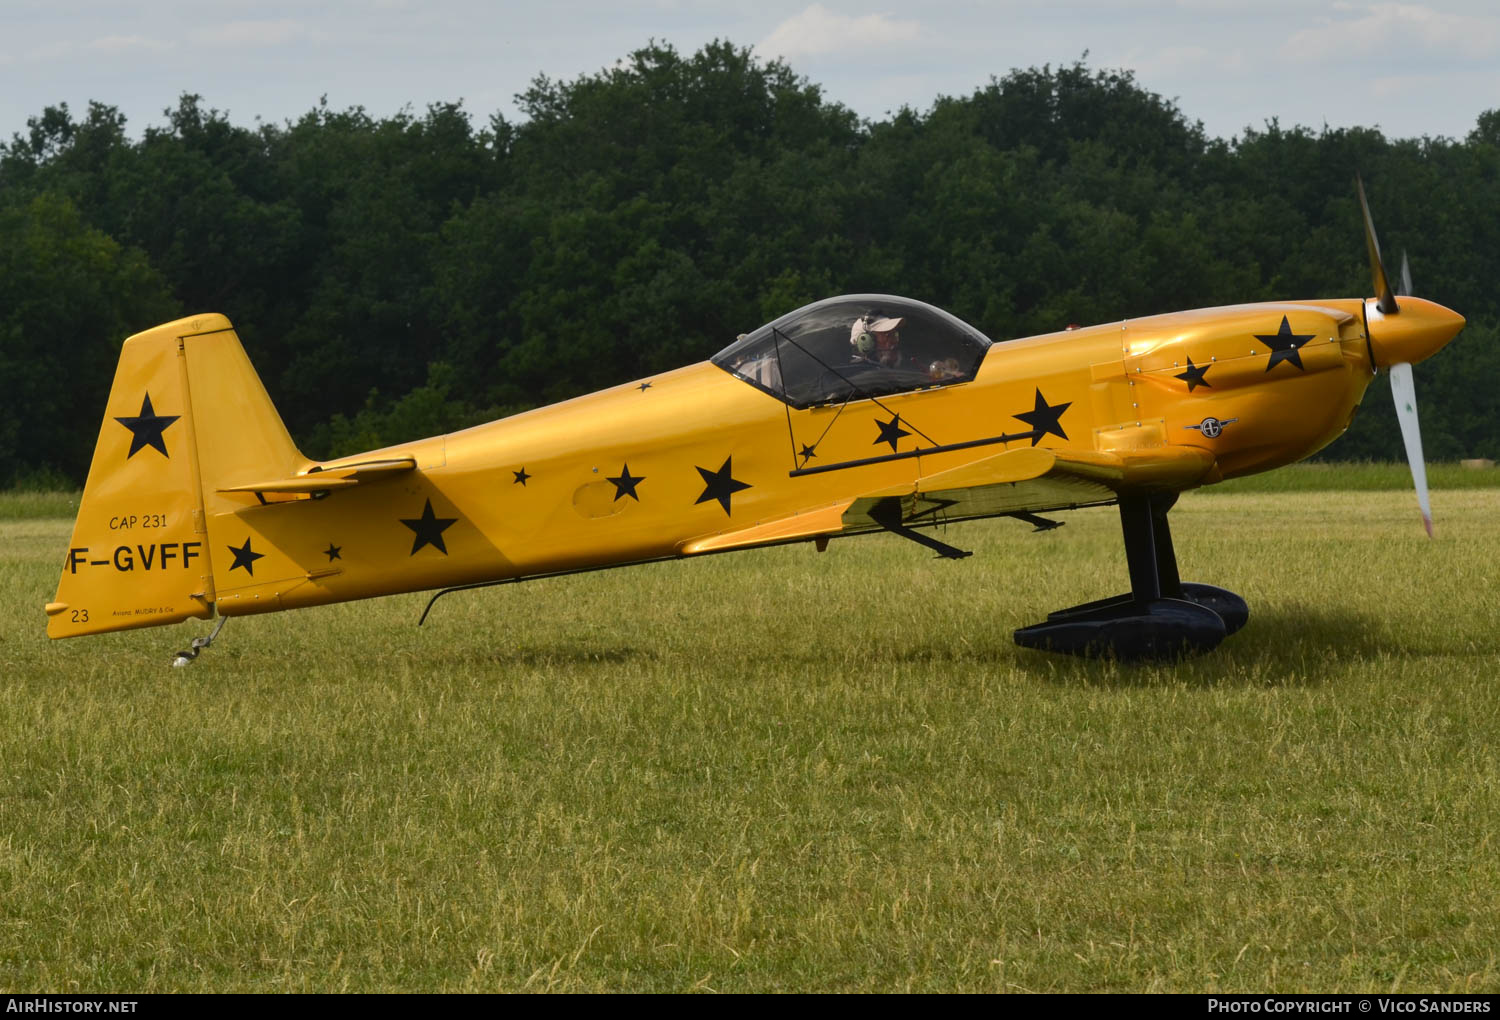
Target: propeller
x=1404 y=392
x=1384 y=300
x=1401 y=333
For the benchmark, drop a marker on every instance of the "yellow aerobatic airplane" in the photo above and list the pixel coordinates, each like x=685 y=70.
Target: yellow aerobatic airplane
x=857 y=414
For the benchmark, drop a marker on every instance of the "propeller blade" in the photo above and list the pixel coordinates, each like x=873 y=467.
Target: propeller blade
x=1404 y=391
x=1405 y=285
x=1387 y=300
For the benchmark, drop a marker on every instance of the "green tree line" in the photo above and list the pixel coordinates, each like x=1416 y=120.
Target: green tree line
x=397 y=277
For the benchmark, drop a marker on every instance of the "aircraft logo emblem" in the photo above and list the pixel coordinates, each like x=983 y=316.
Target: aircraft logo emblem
x=1211 y=427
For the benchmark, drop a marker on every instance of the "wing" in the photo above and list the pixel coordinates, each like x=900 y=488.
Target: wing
x=1016 y=481
x=1032 y=480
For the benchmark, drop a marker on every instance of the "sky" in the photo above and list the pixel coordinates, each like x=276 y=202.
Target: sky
x=1410 y=69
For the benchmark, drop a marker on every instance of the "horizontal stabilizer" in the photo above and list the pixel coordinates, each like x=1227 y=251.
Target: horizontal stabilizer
x=329 y=478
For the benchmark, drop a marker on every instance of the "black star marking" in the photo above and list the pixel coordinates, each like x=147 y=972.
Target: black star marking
x=1285 y=345
x=720 y=485
x=808 y=453
x=1194 y=376
x=625 y=485
x=521 y=477
x=428 y=529
x=333 y=551
x=243 y=557
x=1044 y=418
x=890 y=432
x=146 y=429
x=643 y=387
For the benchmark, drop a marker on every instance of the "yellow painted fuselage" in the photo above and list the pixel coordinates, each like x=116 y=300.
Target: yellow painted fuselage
x=640 y=471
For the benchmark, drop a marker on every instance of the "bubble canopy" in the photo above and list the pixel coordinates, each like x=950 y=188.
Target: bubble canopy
x=830 y=351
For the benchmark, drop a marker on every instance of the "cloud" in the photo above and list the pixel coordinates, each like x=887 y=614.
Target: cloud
x=818 y=30
x=113 y=44
x=1366 y=30
x=1148 y=61
x=253 y=33
x=104 y=46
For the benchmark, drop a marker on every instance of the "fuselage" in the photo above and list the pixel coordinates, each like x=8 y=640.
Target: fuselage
x=640 y=471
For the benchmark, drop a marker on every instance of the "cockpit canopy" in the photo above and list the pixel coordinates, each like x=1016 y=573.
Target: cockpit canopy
x=828 y=351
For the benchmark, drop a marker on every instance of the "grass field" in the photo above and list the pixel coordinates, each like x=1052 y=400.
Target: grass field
x=781 y=770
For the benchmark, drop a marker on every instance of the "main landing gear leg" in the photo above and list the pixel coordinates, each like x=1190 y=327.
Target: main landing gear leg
x=1160 y=617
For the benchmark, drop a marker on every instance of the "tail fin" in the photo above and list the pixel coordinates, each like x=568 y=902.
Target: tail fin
x=185 y=400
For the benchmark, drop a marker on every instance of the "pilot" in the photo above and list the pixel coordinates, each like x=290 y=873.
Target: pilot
x=876 y=340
